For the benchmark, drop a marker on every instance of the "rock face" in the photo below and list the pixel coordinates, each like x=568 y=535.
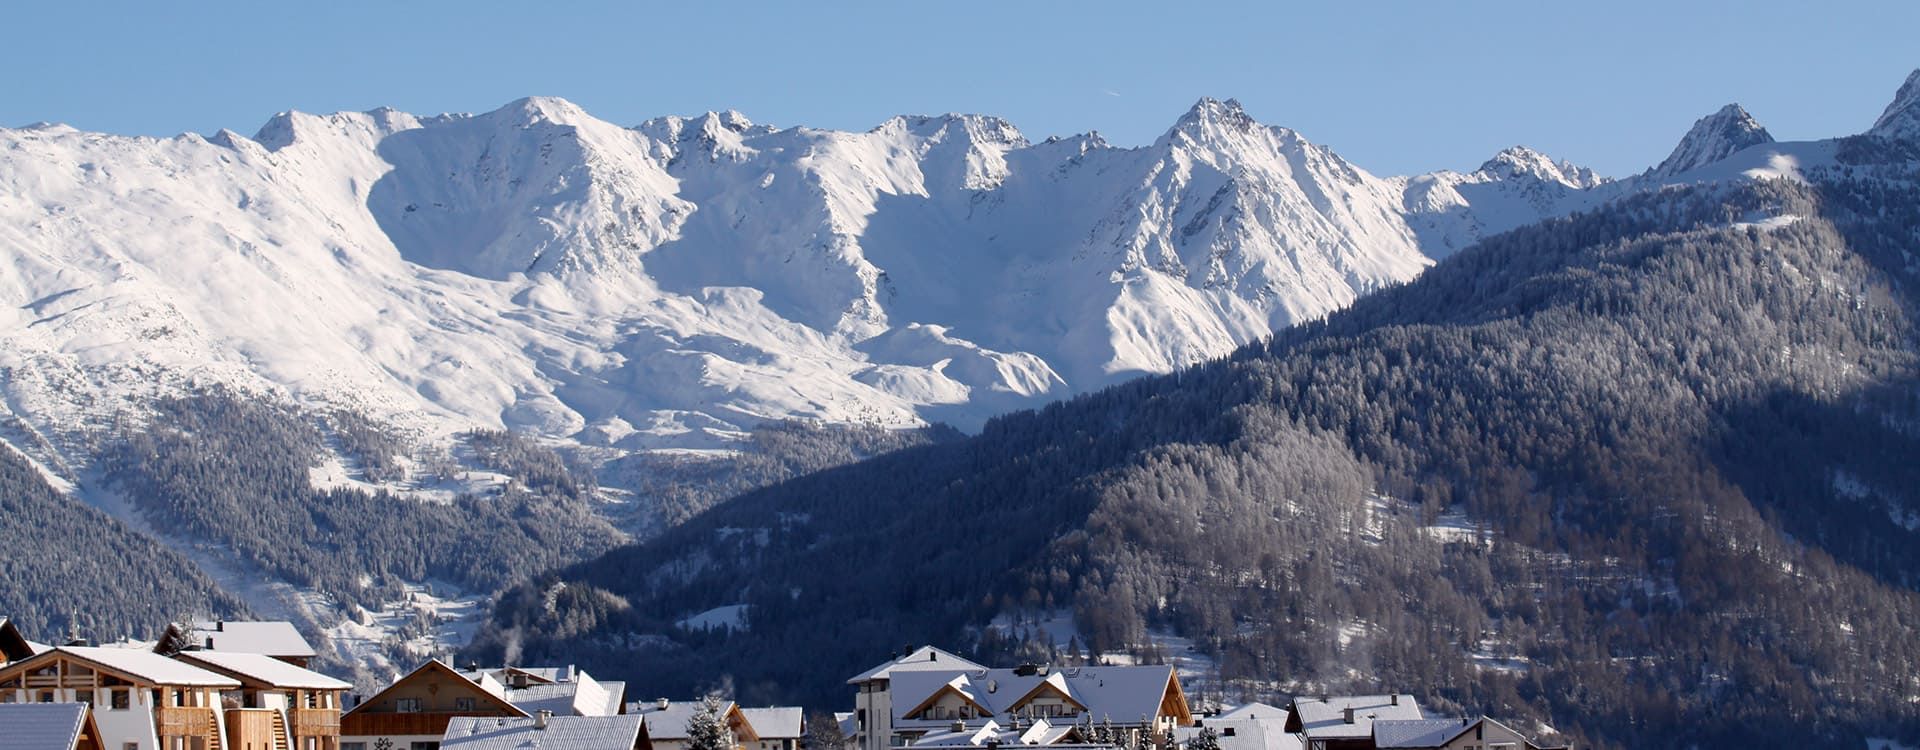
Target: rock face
x=1901 y=120
x=1714 y=137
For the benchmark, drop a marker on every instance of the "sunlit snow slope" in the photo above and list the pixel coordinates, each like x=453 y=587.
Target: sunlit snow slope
x=669 y=284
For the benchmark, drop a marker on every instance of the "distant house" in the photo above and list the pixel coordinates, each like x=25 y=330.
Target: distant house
x=873 y=706
x=1143 y=703
x=276 y=638
x=140 y=700
x=667 y=723
x=779 y=728
x=562 y=691
x=1254 y=726
x=278 y=704
x=48 y=726
x=413 y=713
x=543 y=731
x=1450 y=734
x=1346 y=722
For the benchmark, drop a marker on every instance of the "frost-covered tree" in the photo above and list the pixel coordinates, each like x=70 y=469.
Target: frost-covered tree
x=708 y=729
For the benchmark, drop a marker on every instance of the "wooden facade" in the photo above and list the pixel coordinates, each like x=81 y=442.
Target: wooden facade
x=421 y=704
x=131 y=708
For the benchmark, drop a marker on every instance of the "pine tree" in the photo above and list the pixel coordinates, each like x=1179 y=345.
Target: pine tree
x=708 y=729
x=1205 y=740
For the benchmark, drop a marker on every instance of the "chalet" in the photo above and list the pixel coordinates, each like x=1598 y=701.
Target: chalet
x=873 y=706
x=1449 y=734
x=278 y=704
x=14 y=646
x=275 y=638
x=413 y=713
x=49 y=726
x=561 y=691
x=779 y=728
x=546 y=731
x=140 y=700
x=1141 y=703
x=667 y=723
x=1346 y=722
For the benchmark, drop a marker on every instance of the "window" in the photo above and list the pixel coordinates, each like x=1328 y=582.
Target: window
x=425 y=746
x=83 y=696
x=463 y=704
x=130 y=746
x=119 y=699
x=353 y=746
x=407 y=705
x=46 y=696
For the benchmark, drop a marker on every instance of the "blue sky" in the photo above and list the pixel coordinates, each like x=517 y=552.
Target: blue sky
x=1395 y=87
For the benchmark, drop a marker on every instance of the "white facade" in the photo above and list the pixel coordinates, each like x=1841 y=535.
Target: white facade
x=129 y=728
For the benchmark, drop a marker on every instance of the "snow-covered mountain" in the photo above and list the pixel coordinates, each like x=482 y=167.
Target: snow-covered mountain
x=668 y=284
x=665 y=285
x=1713 y=138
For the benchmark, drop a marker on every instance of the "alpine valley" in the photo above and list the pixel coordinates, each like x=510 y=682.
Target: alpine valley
x=1630 y=458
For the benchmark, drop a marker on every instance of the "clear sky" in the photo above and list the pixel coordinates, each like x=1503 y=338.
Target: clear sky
x=1395 y=87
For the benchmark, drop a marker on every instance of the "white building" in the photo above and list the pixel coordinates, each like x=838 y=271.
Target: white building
x=872 y=700
x=1338 y=722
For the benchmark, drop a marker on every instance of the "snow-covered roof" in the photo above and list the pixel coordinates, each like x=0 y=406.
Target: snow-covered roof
x=1126 y=695
x=1417 y=733
x=583 y=696
x=775 y=723
x=263 y=668
x=1325 y=718
x=561 y=733
x=670 y=723
x=922 y=659
x=145 y=665
x=270 y=637
x=1243 y=734
x=1250 y=711
x=42 y=726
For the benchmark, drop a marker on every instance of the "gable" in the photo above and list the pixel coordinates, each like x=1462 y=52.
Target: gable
x=437 y=688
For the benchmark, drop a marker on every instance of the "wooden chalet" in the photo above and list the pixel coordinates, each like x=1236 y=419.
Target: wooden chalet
x=140 y=700
x=279 y=706
x=417 y=708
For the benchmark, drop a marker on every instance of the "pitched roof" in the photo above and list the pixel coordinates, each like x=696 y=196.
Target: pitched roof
x=262 y=668
x=1250 y=711
x=1418 y=733
x=143 y=665
x=583 y=696
x=42 y=726
x=493 y=691
x=670 y=723
x=13 y=645
x=1243 y=734
x=775 y=723
x=568 y=732
x=1040 y=732
x=1123 y=694
x=270 y=637
x=922 y=658
x=1324 y=718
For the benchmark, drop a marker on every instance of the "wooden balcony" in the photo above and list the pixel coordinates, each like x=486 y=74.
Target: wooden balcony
x=184 y=721
x=399 y=724
x=314 y=722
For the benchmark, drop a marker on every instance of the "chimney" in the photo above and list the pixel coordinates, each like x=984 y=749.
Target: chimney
x=219 y=626
x=209 y=643
x=1394 y=699
x=661 y=704
x=1347 y=714
x=959 y=725
x=541 y=717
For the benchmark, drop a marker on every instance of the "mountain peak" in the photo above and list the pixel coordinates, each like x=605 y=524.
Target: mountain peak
x=1523 y=162
x=535 y=109
x=1713 y=138
x=1211 y=110
x=1901 y=120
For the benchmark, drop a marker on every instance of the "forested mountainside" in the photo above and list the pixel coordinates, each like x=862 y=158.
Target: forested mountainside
x=1643 y=474
x=66 y=560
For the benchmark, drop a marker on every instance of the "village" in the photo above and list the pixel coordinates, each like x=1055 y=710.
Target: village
x=229 y=685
